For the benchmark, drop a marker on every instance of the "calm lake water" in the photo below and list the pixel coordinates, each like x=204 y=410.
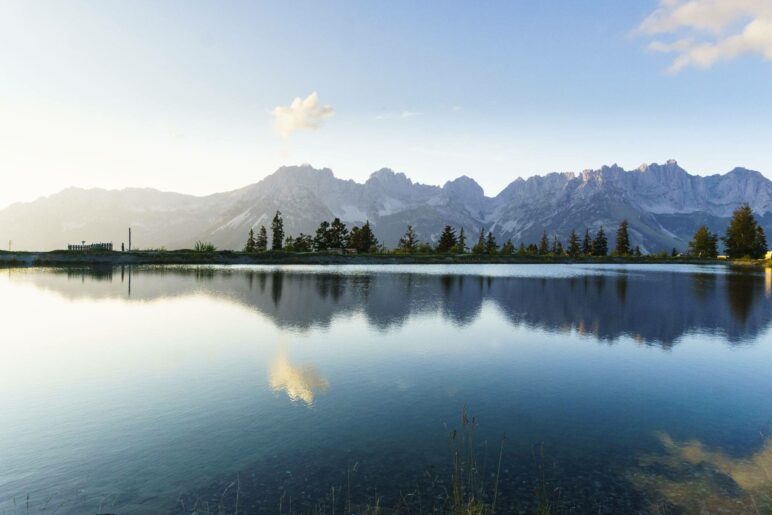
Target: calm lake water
x=614 y=389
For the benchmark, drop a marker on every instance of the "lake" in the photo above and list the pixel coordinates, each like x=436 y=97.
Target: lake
x=592 y=388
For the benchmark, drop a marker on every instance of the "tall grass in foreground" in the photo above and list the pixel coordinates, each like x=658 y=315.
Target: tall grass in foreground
x=470 y=486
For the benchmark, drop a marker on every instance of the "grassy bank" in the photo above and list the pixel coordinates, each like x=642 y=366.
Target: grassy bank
x=190 y=257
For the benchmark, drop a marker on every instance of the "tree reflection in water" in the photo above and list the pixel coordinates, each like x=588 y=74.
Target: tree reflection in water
x=655 y=307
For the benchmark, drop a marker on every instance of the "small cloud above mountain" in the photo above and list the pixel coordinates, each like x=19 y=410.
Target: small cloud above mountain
x=401 y=115
x=702 y=32
x=302 y=113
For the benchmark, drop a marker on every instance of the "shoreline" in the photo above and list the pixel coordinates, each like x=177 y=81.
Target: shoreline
x=187 y=257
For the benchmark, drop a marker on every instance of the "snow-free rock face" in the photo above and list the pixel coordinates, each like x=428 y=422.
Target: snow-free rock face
x=663 y=204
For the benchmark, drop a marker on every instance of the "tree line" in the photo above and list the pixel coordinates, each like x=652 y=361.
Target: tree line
x=329 y=235
x=744 y=238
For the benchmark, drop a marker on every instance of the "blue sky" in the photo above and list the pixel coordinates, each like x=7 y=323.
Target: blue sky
x=183 y=96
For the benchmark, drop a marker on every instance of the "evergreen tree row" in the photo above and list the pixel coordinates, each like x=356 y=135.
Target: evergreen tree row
x=744 y=238
x=329 y=236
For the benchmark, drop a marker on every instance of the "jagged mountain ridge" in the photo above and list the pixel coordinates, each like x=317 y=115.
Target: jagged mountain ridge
x=663 y=204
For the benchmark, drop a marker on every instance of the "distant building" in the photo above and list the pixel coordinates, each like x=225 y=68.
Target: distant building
x=90 y=246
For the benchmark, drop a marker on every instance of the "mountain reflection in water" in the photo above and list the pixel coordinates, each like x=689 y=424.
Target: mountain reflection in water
x=166 y=389
x=654 y=308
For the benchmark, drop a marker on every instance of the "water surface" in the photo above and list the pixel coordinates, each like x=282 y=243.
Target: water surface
x=175 y=389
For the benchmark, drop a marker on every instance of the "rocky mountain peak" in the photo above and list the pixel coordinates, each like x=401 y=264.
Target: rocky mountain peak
x=387 y=176
x=663 y=203
x=302 y=172
x=464 y=186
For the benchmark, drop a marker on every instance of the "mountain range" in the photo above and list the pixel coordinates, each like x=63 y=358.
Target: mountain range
x=663 y=204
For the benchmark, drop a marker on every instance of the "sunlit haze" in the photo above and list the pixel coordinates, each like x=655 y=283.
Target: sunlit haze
x=199 y=97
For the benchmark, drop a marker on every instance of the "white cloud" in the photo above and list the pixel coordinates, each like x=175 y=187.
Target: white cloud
x=302 y=113
x=402 y=115
x=704 y=32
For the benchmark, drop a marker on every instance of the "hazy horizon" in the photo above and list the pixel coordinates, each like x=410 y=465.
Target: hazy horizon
x=196 y=98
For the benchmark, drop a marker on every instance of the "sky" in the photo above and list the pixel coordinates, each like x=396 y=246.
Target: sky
x=200 y=97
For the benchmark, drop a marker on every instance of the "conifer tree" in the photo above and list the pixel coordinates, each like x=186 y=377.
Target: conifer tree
x=637 y=251
x=250 y=246
x=544 y=245
x=261 y=242
x=622 y=247
x=573 y=244
x=600 y=243
x=277 y=231
x=587 y=243
x=303 y=243
x=408 y=242
x=448 y=240
x=508 y=248
x=363 y=239
x=490 y=244
x=761 y=242
x=744 y=237
x=557 y=248
x=479 y=247
x=704 y=243
x=521 y=251
x=461 y=245
x=322 y=238
x=338 y=235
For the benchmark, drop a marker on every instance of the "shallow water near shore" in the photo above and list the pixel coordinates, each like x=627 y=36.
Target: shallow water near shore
x=614 y=388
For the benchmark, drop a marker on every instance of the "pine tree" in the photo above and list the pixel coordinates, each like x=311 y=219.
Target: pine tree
x=573 y=244
x=490 y=244
x=447 y=240
x=637 y=251
x=409 y=242
x=303 y=243
x=587 y=243
x=761 y=242
x=622 y=247
x=250 y=246
x=521 y=251
x=600 y=243
x=479 y=247
x=363 y=239
x=261 y=243
x=338 y=235
x=557 y=247
x=674 y=252
x=704 y=243
x=508 y=248
x=744 y=237
x=461 y=246
x=322 y=238
x=277 y=231
x=544 y=245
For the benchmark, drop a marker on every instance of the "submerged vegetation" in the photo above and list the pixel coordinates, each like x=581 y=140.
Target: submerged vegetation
x=468 y=484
